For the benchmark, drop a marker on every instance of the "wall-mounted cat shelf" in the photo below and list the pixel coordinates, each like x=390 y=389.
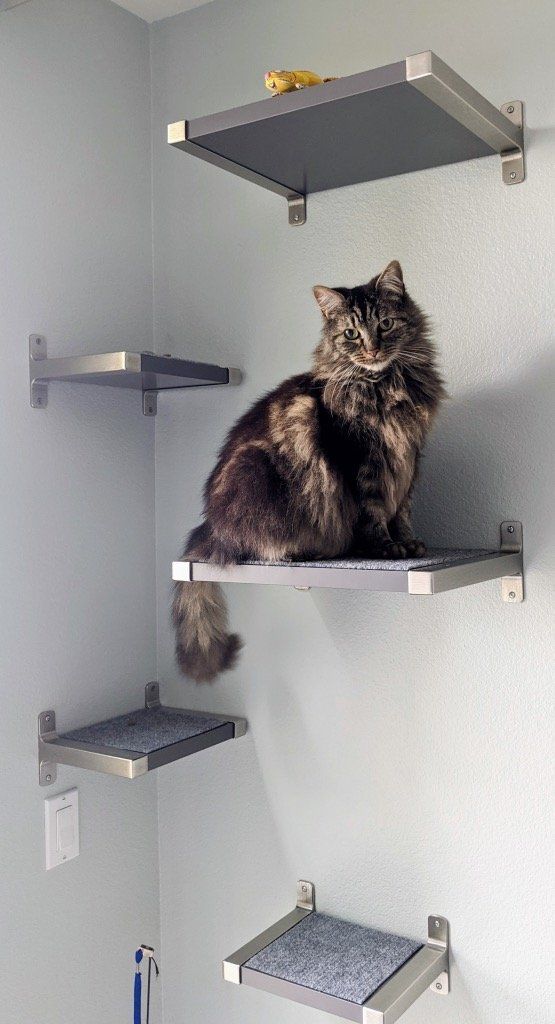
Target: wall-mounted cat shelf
x=139 y=371
x=345 y=969
x=403 y=117
x=438 y=571
x=133 y=744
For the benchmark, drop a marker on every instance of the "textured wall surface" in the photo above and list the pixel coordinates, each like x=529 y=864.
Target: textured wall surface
x=398 y=747
x=77 y=620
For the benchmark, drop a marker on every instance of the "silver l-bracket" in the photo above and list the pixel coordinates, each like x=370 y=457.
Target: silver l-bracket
x=297 y=209
x=512 y=160
x=306 y=895
x=512 y=587
x=48 y=771
x=37 y=352
x=438 y=938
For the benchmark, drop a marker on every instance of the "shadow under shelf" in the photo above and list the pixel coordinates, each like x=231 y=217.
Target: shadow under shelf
x=133 y=744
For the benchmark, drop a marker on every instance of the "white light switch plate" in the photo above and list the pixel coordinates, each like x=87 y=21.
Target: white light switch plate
x=61 y=819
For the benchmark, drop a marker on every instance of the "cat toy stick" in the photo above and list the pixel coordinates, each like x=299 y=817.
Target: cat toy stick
x=143 y=951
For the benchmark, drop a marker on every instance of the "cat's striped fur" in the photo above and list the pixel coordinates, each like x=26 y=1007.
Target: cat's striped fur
x=323 y=465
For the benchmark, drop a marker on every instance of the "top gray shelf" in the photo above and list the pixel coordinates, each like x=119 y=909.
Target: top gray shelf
x=403 y=117
x=138 y=371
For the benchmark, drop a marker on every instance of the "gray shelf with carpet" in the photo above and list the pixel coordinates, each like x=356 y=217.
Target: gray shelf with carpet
x=437 y=571
x=133 y=744
x=349 y=970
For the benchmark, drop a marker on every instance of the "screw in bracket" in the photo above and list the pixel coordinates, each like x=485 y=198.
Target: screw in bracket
x=49 y=778
x=438 y=985
x=510 y=110
x=510 y=529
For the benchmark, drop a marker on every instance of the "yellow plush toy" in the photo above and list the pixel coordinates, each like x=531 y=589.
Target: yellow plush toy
x=287 y=81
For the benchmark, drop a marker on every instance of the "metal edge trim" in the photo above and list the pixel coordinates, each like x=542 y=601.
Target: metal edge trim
x=240 y=724
x=301 y=994
x=232 y=965
x=466 y=574
x=405 y=986
x=63 y=368
x=131 y=765
x=436 y=80
x=178 y=136
x=192 y=745
x=393 y=581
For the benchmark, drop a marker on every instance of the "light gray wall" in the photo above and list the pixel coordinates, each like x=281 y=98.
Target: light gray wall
x=398 y=747
x=77 y=537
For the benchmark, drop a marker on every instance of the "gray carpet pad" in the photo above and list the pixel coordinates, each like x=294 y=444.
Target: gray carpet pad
x=440 y=557
x=335 y=957
x=145 y=730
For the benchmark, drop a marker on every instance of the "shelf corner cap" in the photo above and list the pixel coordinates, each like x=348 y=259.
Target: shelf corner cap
x=420 y=581
x=234 y=375
x=231 y=972
x=239 y=727
x=419 y=64
x=177 y=132
x=182 y=571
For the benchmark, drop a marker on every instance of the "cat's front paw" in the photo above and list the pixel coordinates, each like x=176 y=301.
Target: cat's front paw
x=415 y=548
x=392 y=549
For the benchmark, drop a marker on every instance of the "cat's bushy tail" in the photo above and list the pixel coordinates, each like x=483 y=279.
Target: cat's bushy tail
x=203 y=645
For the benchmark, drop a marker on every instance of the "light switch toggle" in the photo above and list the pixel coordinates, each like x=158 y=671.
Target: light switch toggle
x=61 y=828
x=65 y=829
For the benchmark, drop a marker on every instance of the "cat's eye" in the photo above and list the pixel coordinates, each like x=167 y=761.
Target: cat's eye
x=386 y=323
x=351 y=334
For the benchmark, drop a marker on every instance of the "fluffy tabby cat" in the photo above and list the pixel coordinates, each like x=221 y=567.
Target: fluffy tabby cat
x=324 y=465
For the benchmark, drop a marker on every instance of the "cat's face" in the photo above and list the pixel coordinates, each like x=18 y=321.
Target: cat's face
x=368 y=327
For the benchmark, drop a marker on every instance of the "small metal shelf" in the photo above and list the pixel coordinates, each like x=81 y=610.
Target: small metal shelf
x=139 y=371
x=436 y=572
x=133 y=744
x=403 y=117
x=350 y=971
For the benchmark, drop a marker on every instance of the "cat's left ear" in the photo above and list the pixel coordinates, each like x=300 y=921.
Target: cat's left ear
x=391 y=280
x=329 y=301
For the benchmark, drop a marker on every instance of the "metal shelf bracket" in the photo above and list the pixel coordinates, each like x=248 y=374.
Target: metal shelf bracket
x=37 y=352
x=512 y=587
x=438 y=938
x=306 y=895
x=297 y=209
x=512 y=160
x=48 y=771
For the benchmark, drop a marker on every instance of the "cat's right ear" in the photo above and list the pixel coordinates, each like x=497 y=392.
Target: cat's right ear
x=329 y=301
